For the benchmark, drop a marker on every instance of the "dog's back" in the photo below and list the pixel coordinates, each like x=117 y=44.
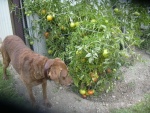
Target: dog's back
x=13 y=44
x=11 y=48
x=23 y=59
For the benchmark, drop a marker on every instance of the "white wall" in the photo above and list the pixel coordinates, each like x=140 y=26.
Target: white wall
x=5 y=20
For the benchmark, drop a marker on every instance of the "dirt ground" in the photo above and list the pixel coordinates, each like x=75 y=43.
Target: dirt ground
x=127 y=92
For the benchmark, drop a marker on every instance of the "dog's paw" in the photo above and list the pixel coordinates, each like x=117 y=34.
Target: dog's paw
x=47 y=104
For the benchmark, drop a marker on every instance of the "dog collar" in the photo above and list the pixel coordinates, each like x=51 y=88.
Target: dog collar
x=46 y=73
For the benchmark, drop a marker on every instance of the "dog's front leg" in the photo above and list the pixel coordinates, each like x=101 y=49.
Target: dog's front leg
x=44 y=87
x=29 y=88
x=4 y=73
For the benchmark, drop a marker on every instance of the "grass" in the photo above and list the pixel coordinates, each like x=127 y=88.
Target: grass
x=10 y=100
x=7 y=90
x=141 y=107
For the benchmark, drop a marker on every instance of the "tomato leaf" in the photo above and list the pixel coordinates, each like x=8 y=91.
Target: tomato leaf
x=76 y=82
x=91 y=59
x=88 y=55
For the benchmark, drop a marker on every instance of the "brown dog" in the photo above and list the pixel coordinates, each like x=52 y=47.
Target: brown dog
x=33 y=68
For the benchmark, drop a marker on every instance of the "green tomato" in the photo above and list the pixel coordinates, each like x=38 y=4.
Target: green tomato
x=136 y=13
x=116 y=10
x=50 y=51
x=114 y=70
x=77 y=24
x=105 y=53
x=93 y=21
x=82 y=91
x=72 y=24
x=28 y=14
x=78 y=52
x=106 y=21
x=31 y=42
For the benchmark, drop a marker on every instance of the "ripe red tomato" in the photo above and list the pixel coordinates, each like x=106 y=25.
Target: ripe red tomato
x=84 y=96
x=90 y=92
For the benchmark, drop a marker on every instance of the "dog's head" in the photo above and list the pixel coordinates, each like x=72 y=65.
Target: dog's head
x=57 y=71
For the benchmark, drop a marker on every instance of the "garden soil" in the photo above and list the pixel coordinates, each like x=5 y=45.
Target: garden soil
x=127 y=92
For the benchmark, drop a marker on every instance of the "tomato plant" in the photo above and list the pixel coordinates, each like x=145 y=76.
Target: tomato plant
x=93 y=39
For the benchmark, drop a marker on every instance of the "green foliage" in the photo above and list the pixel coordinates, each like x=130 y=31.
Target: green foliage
x=146 y=40
x=93 y=38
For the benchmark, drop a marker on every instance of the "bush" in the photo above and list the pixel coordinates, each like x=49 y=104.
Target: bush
x=95 y=39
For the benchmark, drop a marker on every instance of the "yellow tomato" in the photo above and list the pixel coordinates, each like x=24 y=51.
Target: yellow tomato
x=72 y=24
x=49 y=17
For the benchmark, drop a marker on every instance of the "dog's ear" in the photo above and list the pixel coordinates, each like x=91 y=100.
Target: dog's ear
x=48 y=64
